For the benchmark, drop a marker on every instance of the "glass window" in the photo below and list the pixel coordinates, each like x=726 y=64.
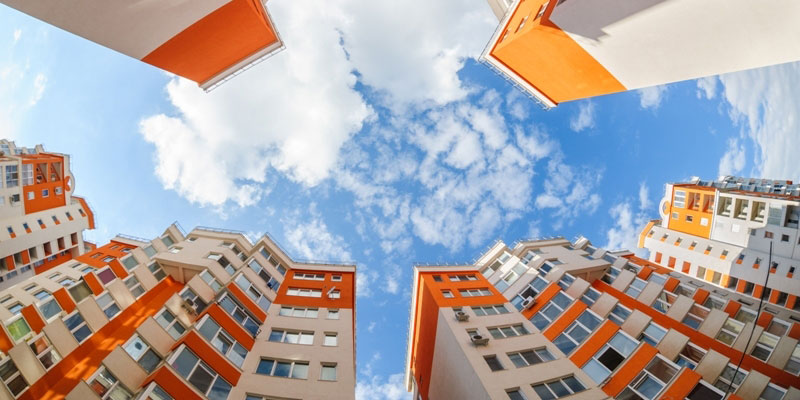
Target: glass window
x=157 y=271
x=135 y=287
x=108 y=305
x=530 y=357
x=558 y=388
x=493 y=363
x=241 y=315
x=107 y=386
x=609 y=357
x=18 y=329
x=142 y=353
x=222 y=341
x=44 y=351
x=577 y=332
x=653 y=334
x=78 y=327
x=171 y=324
x=328 y=372
x=280 y=368
x=551 y=311
x=200 y=375
x=727 y=382
x=331 y=339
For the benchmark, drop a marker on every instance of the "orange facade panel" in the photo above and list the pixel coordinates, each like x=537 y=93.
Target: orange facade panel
x=172 y=384
x=216 y=42
x=82 y=362
x=544 y=56
x=33 y=318
x=693 y=212
x=346 y=288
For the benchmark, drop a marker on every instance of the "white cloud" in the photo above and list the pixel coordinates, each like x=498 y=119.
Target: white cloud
x=732 y=162
x=291 y=113
x=765 y=103
x=378 y=388
x=629 y=220
x=707 y=87
x=39 y=85
x=569 y=191
x=17 y=35
x=650 y=97
x=585 y=117
x=371 y=326
x=312 y=240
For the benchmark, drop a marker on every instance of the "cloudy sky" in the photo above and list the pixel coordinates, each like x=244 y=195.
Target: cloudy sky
x=377 y=138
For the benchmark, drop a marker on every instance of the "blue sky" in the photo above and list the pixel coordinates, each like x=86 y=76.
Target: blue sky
x=376 y=137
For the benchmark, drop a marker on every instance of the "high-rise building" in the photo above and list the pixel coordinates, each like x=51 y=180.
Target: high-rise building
x=203 y=315
x=550 y=318
x=41 y=222
x=722 y=231
x=561 y=50
x=206 y=41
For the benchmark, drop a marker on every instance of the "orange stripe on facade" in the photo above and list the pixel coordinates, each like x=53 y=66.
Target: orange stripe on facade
x=569 y=315
x=749 y=362
x=544 y=56
x=48 y=265
x=682 y=385
x=599 y=338
x=346 y=288
x=632 y=367
x=172 y=384
x=82 y=362
x=64 y=300
x=794 y=333
x=231 y=326
x=211 y=356
x=216 y=42
x=33 y=318
x=247 y=302
x=94 y=283
x=700 y=296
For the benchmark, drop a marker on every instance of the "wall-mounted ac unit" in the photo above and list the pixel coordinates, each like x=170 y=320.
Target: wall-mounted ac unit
x=462 y=316
x=528 y=302
x=479 y=340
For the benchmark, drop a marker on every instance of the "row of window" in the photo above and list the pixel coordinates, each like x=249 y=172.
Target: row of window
x=552 y=389
x=520 y=359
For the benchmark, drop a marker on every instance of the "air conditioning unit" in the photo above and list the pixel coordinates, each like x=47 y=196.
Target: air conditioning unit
x=479 y=340
x=528 y=302
x=462 y=316
x=189 y=305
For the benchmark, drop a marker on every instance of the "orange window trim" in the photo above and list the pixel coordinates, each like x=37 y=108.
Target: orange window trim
x=542 y=299
x=563 y=321
x=682 y=385
x=64 y=300
x=94 y=283
x=794 y=332
x=749 y=362
x=600 y=337
x=118 y=269
x=33 y=318
x=10 y=264
x=26 y=258
x=231 y=326
x=630 y=368
x=732 y=307
x=6 y=343
x=82 y=362
x=248 y=303
x=87 y=210
x=172 y=384
x=700 y=296
x=211 y=356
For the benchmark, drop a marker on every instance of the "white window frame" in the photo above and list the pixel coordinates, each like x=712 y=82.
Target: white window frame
x=156 y=269
x=275 y=363
x=578 y=324
x=134 y=287
x=169 y=325
x=220 y=336
x=646 y=375
x=647 y=336
x=198 y=364
x=136 y=338
x=252 y=291
x=332 y=342
x=610 y=345
x=495 y=309
x=309 y=276
x=304 y=292
x=552 y=304
x=507 y=331
x=78 y=327
x=292 y=336
x=47 y=350
x=474 y=292
x=290 y=311
x=562 y=381
x=108 y=306
x=542 y=353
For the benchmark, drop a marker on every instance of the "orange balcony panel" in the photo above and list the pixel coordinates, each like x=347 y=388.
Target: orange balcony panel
x=227 y=36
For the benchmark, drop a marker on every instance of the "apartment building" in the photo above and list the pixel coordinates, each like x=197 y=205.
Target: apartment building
x=206 y=41
x=550 y=318
x=560 y=50
x=203 y=315
x=41 y=221
x=721 y=232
